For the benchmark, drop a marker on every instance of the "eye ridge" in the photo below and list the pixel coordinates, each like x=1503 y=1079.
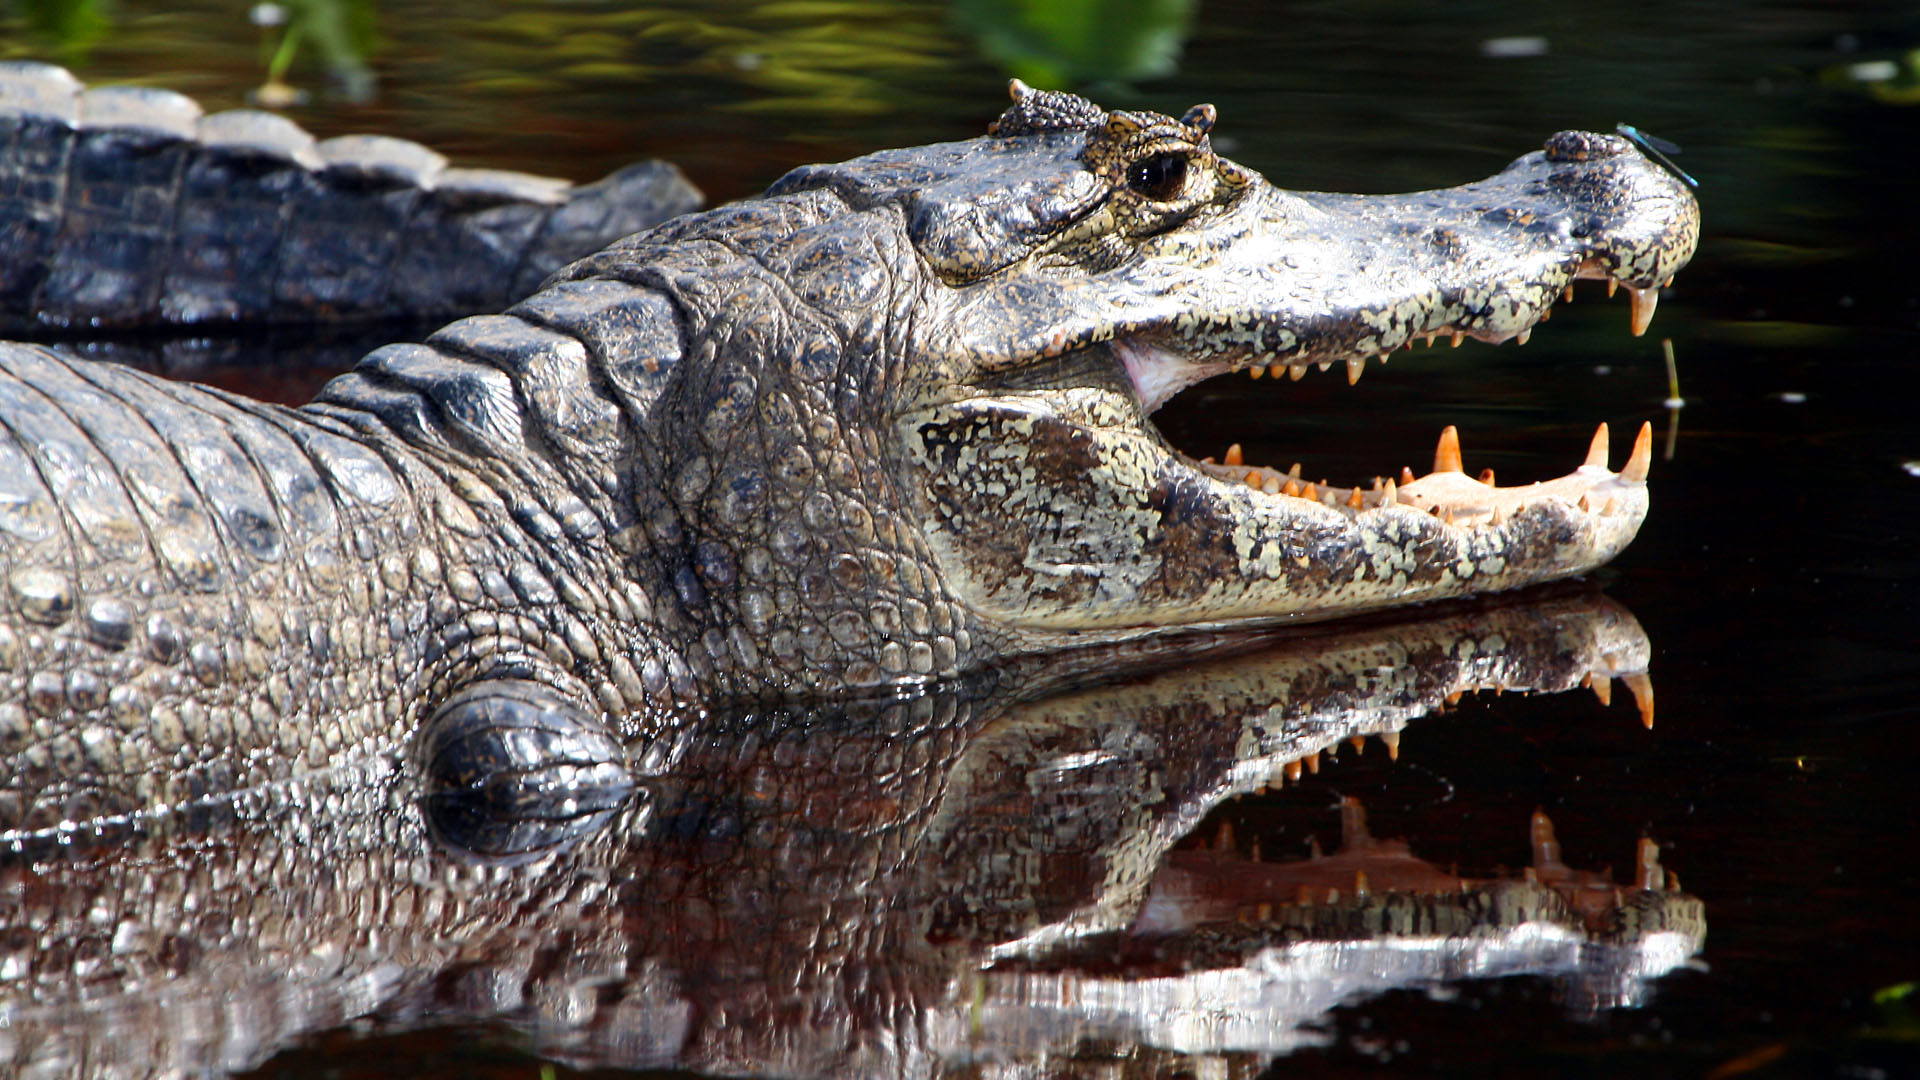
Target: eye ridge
x=1160 y=177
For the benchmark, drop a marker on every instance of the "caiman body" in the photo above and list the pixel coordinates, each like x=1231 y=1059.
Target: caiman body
x=883 y=426
x=129 y=209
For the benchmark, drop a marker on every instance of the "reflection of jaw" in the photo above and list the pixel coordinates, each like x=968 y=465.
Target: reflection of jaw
x=1124 y=936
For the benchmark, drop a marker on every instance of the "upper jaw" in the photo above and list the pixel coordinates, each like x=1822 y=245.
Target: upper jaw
x=1316 y=278
x=1297 y=278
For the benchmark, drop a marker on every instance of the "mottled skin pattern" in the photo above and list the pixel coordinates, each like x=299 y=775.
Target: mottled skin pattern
x=126 y=208
x=967 y=879
x=883 y=426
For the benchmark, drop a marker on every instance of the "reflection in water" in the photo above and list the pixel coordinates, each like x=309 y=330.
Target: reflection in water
x=977 y=880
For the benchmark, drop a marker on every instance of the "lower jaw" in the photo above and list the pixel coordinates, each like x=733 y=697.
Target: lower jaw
x=1447 y=492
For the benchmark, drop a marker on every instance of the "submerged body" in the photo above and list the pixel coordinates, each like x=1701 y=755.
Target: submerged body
x=883 y=426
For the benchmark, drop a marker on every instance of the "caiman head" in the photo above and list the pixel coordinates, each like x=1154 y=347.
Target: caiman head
x=991 y=323
x=1092 y=264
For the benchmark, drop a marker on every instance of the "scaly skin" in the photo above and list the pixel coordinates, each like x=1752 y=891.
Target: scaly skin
x=884 y=426
x=982 y=876
x=124 y=208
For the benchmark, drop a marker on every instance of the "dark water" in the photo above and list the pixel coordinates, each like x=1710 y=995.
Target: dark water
x=1776 y=578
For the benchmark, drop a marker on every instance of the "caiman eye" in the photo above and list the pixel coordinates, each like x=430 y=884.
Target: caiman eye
x=1161 y=177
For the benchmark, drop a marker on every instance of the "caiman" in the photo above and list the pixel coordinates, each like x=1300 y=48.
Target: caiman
x=127 y=208
x=885 y=425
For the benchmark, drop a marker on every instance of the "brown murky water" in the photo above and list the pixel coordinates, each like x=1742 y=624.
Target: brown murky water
x=1776 y=579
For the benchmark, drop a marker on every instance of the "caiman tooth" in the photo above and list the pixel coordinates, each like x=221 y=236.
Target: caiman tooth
x=1642 y=687
x=1524 y=336
x=1568 y=292
x=1640 y=461
x=1389 y=494
x=1546 y=846
x=1647 y=873
x=1256 y=371
x=1324 y=364
x=1613 y=286
x=1486 y=477
x=1296 y=372
x=1233 y=456
x=1602 y=687
x=1643 y=302
x=1597 y=450
x=1406 y=476
x=1356 y=500
x=1446 y=456
x=1355 y=366
x=1455 y=339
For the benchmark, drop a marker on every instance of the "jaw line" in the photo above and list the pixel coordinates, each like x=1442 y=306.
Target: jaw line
x=1158 y=374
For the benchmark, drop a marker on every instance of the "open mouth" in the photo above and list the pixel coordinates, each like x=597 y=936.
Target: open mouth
x=1447 y=492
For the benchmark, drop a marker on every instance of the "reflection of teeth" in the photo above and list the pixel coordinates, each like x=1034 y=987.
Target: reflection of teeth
x=1647 y=872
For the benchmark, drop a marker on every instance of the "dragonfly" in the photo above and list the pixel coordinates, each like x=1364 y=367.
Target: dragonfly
x=1658 y=148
